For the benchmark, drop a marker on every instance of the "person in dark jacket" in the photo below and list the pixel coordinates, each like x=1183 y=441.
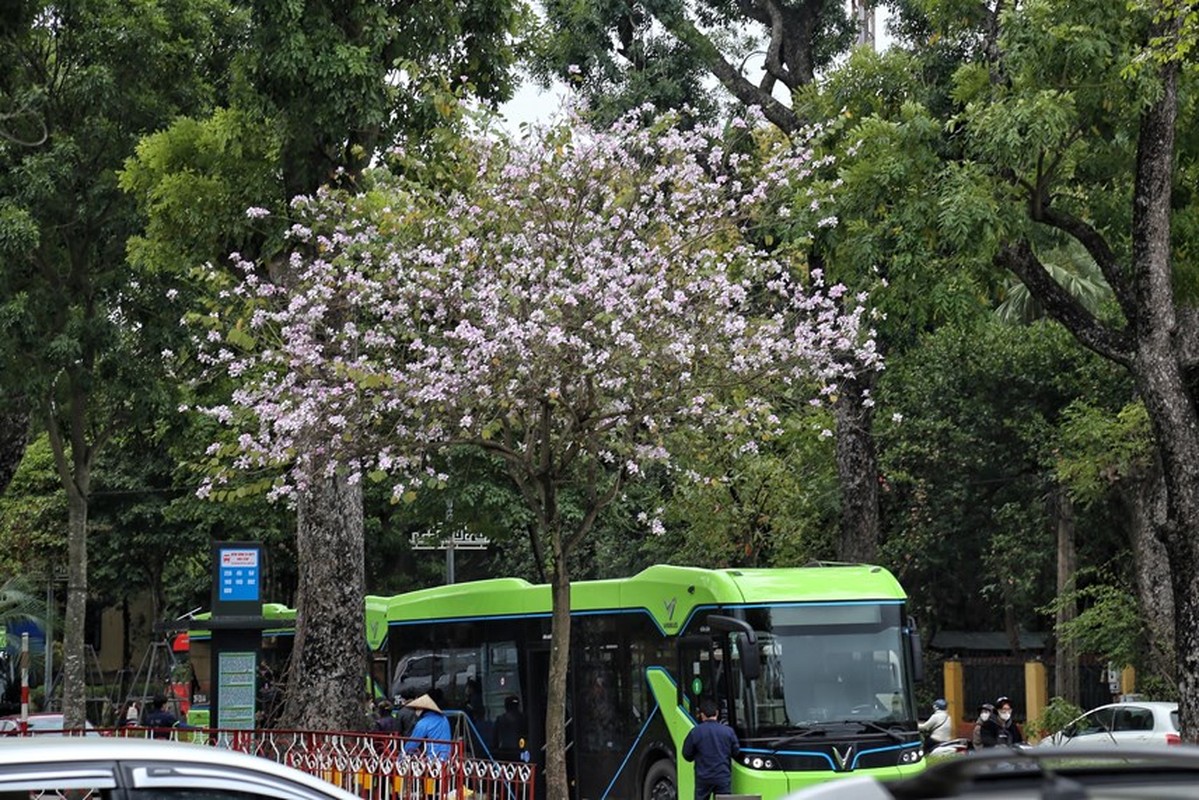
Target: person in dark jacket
x=711 y=744
x=406 y=718
x=385 y=721
x=159 y=717
x=510 y=731
x=1001 y=730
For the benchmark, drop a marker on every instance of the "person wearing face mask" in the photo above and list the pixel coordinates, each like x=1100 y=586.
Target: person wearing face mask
x=1001 y=729
x=984 y=713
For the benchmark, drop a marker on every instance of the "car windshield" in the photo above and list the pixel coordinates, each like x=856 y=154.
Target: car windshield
x=826 y=664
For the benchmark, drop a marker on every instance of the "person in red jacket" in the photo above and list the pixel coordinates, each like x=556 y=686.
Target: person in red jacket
x=711 y=744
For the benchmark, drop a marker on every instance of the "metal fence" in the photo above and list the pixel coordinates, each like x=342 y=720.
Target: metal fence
x=372 y=766
x=988 y=677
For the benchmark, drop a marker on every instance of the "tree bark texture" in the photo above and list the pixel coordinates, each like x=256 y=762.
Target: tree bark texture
x=1147 y=515
x=857 y=472
x=14 y=435
x=1065 y=669
x=74 y=660
x=325 y=684
x=557 y=786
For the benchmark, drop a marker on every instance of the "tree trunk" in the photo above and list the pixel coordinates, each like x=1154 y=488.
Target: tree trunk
x=857 y=472
x=557 y=785
x=325 y=686
x=1065 y=669
x=14 y=434
x=74 y=672
x=1147 y=515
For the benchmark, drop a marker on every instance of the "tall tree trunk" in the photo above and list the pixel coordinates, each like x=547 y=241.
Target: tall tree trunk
x=857 y=472
x=325 y=687
x=74 y=660
x=1158 y=373
x=556 y=779
x=1147 y=515
x=72 y=461
x=14 y=434
x=1065 y=669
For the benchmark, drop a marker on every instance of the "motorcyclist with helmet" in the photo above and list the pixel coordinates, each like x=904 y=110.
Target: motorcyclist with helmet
x=938 y=728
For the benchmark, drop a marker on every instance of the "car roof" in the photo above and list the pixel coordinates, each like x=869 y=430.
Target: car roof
x=40 y=750
x=1162 y=704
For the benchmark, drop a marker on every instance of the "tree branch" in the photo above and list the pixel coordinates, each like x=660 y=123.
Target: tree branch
x=1096 y=245
x=1020 y=259
x=744 y=90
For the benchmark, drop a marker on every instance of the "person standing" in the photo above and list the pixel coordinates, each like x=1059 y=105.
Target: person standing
x=406 y=717
x=511 y=730
x=711 y=745
x=938 y=728
x=159 y=718
x=1001 y=730
x=432 y=731
x=984 y=713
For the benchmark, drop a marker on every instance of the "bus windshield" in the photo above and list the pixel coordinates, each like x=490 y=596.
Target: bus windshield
x=828 y=664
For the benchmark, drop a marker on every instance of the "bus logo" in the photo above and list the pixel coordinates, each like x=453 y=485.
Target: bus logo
x=842 y=758
x=670 y=605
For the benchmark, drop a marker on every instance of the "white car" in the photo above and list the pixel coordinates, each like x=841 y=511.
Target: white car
x=1144 y=724
x=47 y=723
x=92 y=768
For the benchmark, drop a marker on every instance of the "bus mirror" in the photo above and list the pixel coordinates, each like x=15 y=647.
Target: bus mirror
x=747 y=642
x=719 y=622
x=917 y=652
x=751 y=661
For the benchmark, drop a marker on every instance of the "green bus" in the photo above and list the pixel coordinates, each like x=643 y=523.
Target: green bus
x=813 y=667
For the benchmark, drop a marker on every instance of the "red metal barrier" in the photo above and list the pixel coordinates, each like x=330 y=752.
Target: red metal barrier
x=373 y=766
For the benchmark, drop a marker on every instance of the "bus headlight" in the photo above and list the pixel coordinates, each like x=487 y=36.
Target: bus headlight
x=759 y=762
x=911 y=756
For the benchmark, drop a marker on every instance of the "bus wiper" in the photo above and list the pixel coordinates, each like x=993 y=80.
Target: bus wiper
x=804 y=731
x=865 y=723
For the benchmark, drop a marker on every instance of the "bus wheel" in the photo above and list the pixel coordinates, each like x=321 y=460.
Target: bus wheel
x=660 y=783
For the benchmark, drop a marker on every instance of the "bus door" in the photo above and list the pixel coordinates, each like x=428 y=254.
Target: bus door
x=701 y=673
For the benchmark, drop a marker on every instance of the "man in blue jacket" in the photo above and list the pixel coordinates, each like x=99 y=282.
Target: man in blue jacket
x=711 y=744
x=432 y=731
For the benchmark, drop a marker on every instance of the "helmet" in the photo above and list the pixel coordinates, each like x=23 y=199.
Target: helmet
x=986 y=707
x=940 y=704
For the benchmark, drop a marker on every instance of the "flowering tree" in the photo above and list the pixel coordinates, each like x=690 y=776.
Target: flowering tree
x=582 y=297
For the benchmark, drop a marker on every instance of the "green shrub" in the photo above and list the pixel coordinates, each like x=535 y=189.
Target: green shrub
x=1057 y=715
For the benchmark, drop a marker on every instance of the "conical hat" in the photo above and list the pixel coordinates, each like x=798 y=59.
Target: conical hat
x=423 y=702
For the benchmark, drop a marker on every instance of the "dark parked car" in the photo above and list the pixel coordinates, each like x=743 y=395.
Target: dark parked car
x=1036 y=773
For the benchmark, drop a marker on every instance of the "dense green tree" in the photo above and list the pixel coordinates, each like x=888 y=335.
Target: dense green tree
x=970 y=450
x=1071 y=122
x=81 y=333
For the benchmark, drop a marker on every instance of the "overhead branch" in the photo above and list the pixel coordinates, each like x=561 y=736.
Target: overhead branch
x=743 y=89
x=774 y=60
x=1063 y=306
x=1096 y=245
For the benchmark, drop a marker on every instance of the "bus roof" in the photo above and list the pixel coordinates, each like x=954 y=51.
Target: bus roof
x=669 y=594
